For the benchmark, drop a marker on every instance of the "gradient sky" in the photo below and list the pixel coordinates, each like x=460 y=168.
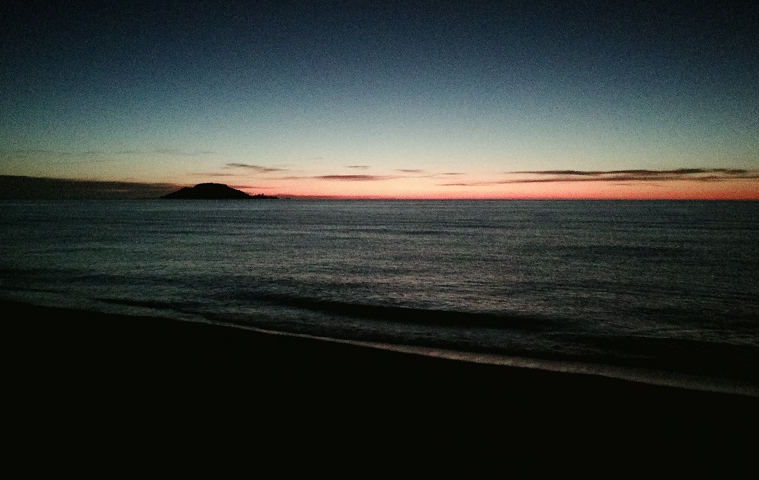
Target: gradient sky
x=398 y=99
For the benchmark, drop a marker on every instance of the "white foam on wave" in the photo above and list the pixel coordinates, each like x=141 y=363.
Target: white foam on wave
x=639 y=375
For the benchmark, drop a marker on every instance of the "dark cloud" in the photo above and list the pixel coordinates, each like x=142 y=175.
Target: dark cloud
x=468 y=184
x=354 y=178
x=255 y=168
x=692 y=174
x=419 y=172
x=215 y=174
x=359 y=167
x=251 y=187
x=681 y=174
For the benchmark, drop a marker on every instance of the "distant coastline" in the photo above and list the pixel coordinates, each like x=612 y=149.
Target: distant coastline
x=19 y=187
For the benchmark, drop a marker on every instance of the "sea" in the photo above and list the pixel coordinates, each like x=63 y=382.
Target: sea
x=662 y=292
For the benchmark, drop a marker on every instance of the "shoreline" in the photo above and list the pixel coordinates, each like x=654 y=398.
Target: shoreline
x=638 y=375
x=91 y=367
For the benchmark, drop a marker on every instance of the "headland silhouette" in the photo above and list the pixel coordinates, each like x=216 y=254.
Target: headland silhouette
x=212 y=191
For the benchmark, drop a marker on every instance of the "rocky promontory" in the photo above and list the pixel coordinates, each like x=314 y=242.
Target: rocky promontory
x=212 y=191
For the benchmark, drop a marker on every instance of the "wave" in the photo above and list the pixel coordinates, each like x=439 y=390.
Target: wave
x=409 y=315
x=669 y=362
x=621 y=371
x=526 y=341
x=395 y=314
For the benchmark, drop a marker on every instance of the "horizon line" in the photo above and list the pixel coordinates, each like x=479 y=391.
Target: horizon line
x=23 y=187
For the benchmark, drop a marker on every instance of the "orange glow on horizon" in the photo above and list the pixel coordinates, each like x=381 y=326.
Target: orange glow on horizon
x=734 y=189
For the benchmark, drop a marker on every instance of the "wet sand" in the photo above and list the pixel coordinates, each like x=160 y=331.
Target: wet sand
x=107 y=375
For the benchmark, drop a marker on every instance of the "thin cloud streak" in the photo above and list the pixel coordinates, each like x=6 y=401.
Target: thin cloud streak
x=251 y=187
x=89 y=154
x=255 y=168
x=417 y=173
x=354 y=178
x=644 y=173
x=564 y=176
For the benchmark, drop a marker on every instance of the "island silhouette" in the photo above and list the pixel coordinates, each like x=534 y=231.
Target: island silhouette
x=212 y=191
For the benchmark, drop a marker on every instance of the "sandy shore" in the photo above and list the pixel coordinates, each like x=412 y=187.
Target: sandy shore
x=107 y=373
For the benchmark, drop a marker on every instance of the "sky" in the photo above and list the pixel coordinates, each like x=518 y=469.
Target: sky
x=390 y=99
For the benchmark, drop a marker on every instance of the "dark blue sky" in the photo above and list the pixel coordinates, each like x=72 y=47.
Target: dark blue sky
x=324 y=97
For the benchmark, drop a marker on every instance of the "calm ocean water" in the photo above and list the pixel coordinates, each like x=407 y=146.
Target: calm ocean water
x=666 y=292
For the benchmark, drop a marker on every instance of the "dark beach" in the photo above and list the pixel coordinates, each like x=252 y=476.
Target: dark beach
x=110 y=374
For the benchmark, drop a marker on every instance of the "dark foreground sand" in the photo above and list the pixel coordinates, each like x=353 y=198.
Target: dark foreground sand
x=106 y=377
